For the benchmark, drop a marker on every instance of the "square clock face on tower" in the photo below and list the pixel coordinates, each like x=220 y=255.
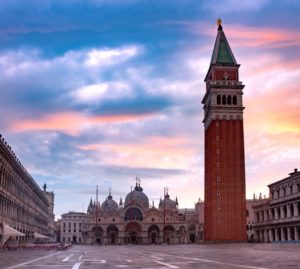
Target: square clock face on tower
x=225 y=74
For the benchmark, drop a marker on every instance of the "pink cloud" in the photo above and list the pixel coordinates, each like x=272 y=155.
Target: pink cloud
x=69 y=122
x=270 y=64
x=250 y=36
x=160 y=152
x=274 y=111
x=272 y=137
x=262 y=37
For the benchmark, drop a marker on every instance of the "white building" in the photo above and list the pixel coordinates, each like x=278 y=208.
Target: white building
x=71 y=227
x=278 y=218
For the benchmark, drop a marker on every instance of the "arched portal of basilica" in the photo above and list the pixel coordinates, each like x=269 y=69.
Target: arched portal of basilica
x=154 y=234
x=133 y=233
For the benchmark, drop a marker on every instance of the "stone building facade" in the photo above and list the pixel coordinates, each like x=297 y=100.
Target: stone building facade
x=278 y=218
x=225 y=194
x=134 y=222
x=25 y=210
x=71 y=227
x=251 y=219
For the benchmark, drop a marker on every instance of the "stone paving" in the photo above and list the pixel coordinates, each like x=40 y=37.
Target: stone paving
x=206 y=256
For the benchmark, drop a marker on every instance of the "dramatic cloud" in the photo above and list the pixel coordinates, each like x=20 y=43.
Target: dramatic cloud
x=96 y=94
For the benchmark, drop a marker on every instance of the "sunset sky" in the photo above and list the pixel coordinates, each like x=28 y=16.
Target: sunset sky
x=95 y=92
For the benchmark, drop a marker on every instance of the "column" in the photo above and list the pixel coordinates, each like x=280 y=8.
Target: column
x=282 y=234
x=270 y=215
x=266 y=215
x=261 y=216
x=289 y=211
x=266 y=238
x=296 y=209
x=289 y=233
x=276 y=213
x=260 y=239
x=276 y=234
x=296 y=232
x=256 y=217
x=282 y=212
x=256 y=237
x=271 y=235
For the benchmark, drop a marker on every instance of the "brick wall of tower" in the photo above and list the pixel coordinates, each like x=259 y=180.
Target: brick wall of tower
x=224 y=145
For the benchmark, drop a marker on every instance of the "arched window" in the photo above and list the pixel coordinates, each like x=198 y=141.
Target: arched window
x=223 y=100
x=229 y=99
x=219 y=99
x=234 y=101
x=133 y=214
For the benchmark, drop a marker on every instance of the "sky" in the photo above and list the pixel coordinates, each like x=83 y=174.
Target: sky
x=97 y=92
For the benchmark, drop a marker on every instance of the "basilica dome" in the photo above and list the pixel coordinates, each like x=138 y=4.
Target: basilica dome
x=167 y=203
x=109 y=204
x=137 y=197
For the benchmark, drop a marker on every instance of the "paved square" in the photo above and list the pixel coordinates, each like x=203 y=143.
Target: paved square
x=208 y=256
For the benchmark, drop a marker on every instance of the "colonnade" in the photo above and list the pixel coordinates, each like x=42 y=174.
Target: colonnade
x=23 y=205
x=280 y=212
x=269 y=235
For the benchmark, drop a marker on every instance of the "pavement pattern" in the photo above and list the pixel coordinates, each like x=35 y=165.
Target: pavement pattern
x=206 y=256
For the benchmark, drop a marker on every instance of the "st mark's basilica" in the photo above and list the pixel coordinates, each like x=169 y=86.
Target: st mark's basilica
x=133 y=222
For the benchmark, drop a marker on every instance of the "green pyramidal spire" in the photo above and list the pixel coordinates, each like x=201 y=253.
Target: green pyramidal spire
x=222 y=53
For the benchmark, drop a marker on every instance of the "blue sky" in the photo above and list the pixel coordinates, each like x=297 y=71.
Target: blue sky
x=97 y=92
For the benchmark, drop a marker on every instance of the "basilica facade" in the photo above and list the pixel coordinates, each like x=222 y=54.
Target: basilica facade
x=134 y=222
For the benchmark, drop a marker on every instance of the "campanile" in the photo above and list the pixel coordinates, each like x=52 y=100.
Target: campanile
x=225 y=199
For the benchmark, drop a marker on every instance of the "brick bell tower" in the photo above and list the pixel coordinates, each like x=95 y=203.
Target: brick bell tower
x=225 y=199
